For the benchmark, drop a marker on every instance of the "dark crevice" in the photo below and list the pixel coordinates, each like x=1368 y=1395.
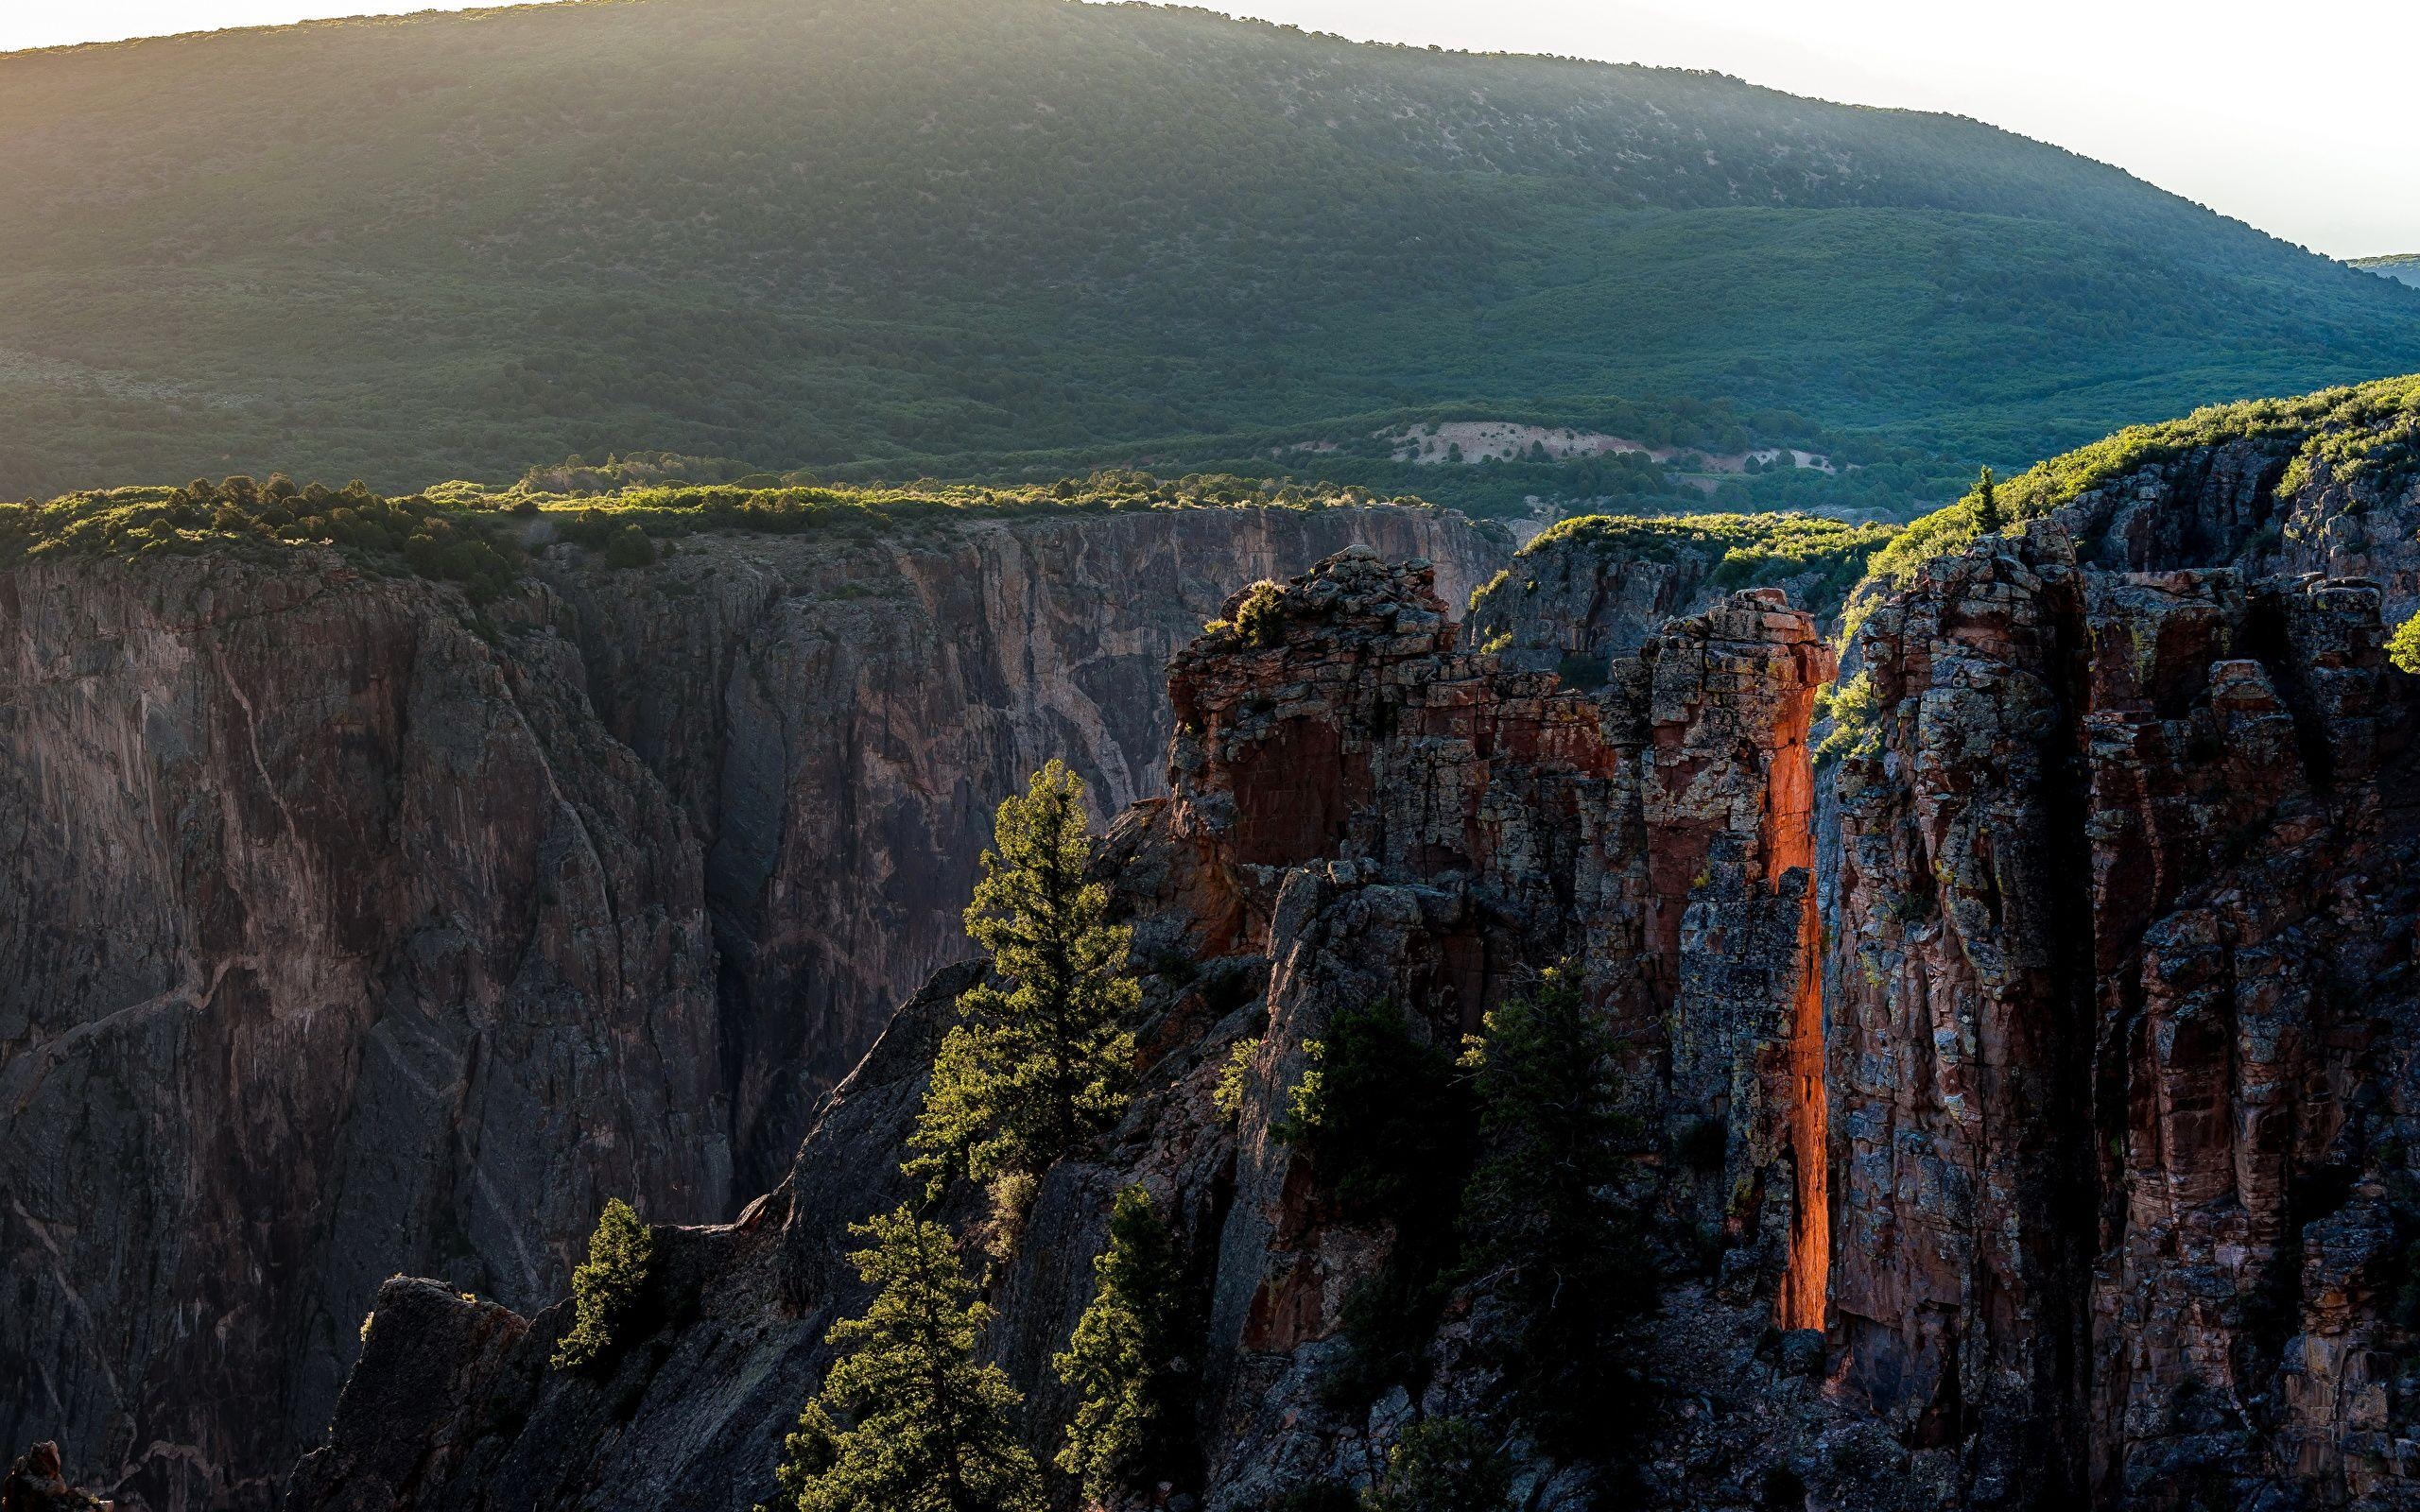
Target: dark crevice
x=2071 y=1161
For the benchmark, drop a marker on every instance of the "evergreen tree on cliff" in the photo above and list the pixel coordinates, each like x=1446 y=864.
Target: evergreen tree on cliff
x=1041 y=1057
x=1122 y=1358
x=907 y=1421
x=1989 y=520
x=1544 y=1215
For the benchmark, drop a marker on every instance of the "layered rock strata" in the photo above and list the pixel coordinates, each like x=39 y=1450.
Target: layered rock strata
x=348 y=929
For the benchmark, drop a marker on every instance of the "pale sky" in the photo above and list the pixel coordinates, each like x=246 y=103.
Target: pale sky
x=2302 y=118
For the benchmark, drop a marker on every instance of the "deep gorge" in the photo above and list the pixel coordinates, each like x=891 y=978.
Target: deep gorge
x=2020 y=1092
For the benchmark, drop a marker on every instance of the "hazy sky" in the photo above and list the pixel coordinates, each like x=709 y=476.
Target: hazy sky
x=2302 y=118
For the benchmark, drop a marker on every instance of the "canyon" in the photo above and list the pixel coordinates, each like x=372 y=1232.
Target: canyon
x=352 y=929
x=2014 y=1039
x=2023 y=1094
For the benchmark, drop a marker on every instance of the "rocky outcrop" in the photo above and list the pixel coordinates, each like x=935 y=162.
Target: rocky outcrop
x=1595 y=588
x=1361 y=812
x=348 y=929
x=1422 y=826
x=38 y=1483
x=2048 y=1149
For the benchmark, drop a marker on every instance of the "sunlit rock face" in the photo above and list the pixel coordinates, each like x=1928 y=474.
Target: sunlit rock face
x=348 y=931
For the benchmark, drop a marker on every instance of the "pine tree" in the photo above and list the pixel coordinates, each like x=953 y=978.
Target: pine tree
x=1122 y=1355
x=606 y=1287
x=906 y=1420
x=1030 y=1070
x=1988 y=520
x=1543 y=1211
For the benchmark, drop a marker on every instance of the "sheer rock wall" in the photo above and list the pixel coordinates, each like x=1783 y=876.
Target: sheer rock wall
x=349 y=930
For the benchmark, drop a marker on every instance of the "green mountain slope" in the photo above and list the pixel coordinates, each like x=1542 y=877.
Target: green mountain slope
x=893 y=236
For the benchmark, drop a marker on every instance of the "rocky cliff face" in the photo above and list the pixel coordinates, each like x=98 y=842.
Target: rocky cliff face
x=1591 y=589
x=348 y=930
x=1361 y=812
x=2026 y=1099
x=2126 y=907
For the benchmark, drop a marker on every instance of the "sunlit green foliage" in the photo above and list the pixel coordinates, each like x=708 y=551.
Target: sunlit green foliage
x=906 y=1420
x=1748 y=549
x=261 y=520
x=971 y=237
x=470 y=535
x=1260 y=616
x=1123 y=1355
x=606 y=1287
x=1856 y=714
x=1234 y=1075
x=1037 y=1064
x=2367 y=434
x=2403 y=646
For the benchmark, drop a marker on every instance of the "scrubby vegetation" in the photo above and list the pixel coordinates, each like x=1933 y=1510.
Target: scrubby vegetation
x=1042 y=1055
x=2403 y=646
x=1443 y=1465
x=2369 y=434
x=477 y=537
x=1260 y=616
x=258 y=519
x=1746 y=549
x=1374 y=1110
x=1856 y=714
x=1235 y=1074
x=1385 y=1117
x=605 y=1290
x=981 y=238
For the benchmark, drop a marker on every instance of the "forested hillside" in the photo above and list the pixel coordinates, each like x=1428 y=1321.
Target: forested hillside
x=970 y=237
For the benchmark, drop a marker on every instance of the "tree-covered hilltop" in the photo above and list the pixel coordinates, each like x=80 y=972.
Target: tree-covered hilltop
x=937 y=236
